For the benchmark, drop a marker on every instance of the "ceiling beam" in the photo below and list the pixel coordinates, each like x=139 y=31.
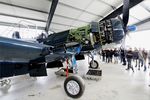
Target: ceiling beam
x=40 y=11
x=17 y=25
x=27 y=8
x=118 y=11
x=27 y=18
x=51 y=14
x=113 y=7
x=82 y=10
x=18 y=6
x=142 y=22
x=63 y=24
x=33 y=19
x=147 y=9
x=70 y=18
x=20 y=25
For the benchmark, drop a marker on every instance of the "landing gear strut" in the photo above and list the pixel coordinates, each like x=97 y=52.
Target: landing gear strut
x=93 y=63
x=74 y=85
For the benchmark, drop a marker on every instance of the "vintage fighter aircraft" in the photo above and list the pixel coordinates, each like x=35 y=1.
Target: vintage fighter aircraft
x=18 y=57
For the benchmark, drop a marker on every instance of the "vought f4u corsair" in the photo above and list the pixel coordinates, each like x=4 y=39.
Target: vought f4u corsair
x=19 y=57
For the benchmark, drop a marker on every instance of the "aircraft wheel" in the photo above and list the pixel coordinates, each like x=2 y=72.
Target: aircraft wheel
x=94 y=64
x=5 y=84
x=74 y=86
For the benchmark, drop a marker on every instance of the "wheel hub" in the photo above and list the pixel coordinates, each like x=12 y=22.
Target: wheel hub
x=94 y=65
x=5 y=84
x=73 y=87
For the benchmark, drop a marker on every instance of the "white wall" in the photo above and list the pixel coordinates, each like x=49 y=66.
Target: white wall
x=139 y=39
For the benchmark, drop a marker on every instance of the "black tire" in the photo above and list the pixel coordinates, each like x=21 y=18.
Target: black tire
x=80 y=83
x=96 y=65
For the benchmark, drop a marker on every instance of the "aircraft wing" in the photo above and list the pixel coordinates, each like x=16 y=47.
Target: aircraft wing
x=19 y=57
x=57 y=56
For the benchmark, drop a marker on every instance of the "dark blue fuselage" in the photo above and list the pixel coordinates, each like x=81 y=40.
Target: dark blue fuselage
x=19 y=51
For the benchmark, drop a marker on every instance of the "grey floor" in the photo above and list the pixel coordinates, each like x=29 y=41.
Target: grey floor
x=116 y=84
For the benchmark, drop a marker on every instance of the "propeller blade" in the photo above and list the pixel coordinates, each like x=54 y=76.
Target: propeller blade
x=125 y=20
x=125 y=13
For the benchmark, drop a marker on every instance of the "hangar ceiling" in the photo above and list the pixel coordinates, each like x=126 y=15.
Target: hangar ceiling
x=140 y=12
x=68 y=14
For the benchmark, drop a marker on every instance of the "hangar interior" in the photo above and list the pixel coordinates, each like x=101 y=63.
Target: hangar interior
x=32 y=17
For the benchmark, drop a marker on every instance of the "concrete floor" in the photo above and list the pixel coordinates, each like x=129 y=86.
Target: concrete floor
x=116 y=84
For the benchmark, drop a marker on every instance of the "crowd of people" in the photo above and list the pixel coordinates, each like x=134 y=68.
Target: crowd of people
x=133 y=58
